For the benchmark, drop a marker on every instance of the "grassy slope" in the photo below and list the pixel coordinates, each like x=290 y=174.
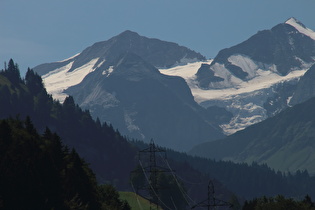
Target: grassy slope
x=136 y=202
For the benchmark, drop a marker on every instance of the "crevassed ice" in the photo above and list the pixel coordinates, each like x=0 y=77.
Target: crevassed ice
x=246 y=112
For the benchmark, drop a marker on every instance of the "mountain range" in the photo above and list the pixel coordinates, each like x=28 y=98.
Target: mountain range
x=134 y=83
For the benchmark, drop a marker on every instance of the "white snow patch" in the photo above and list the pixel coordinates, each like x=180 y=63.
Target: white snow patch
x=108 y=71
x=69 y=58
x=302 y=29
x=229 y=79
x=264 y=80
x=129 y=120
x=100 y=64
x=187 y=71
x=245 y=63
x=129 y=116
x=60 y=79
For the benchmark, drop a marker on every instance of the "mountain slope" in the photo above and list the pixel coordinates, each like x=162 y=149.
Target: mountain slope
x=142 y=103
x=305 y=88
x=285 y=142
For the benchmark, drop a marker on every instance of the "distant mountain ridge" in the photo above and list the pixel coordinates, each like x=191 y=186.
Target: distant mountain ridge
x=285 y=142
x=58 y=76
x=160 y=54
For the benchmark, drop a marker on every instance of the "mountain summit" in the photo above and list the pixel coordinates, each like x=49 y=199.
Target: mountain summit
x=301 y=27
x=58 y=76
x=282 y=49
x=158 y=53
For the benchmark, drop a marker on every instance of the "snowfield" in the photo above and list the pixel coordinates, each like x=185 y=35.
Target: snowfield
x=60 y=79
x=263 y=79
x=245 y=99
x=301 y=28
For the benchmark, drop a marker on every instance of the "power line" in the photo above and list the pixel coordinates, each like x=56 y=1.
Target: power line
x=179 y=185
x=211 y=201
x=139 y=204
x=153 y=189
x=153 y=168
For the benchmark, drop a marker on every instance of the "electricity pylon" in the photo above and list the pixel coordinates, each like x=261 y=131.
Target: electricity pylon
x=211 y=202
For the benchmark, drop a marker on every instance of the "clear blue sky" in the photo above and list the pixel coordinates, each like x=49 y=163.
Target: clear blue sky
x=39 y=31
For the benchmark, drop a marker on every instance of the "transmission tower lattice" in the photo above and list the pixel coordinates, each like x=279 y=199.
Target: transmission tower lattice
x=151 y=167
x=211 y=202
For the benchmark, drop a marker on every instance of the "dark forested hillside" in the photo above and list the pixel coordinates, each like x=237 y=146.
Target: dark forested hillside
x=245 y=180
x=279 y=202
x=39 y=172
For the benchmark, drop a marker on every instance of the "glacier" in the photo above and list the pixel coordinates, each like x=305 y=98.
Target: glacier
x=244 y=99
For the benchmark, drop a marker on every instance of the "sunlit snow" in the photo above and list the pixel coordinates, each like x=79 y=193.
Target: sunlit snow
x=108 y=71
x=263 y=79
x=60 y=79
x=245 y=63
x=306 y=31
x=243 y=98
x=69 y=58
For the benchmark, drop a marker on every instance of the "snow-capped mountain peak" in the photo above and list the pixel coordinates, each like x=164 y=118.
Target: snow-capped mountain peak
x=301 y=27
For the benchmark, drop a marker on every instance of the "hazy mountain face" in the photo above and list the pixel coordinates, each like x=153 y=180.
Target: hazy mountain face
x=144 y=104
x=285 y=142
x=118 y=82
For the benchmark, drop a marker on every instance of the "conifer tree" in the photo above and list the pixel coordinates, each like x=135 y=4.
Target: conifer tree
x=13 y=72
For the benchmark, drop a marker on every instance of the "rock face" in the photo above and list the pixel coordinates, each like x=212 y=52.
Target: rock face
x=305 y=88
x=142 y=103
